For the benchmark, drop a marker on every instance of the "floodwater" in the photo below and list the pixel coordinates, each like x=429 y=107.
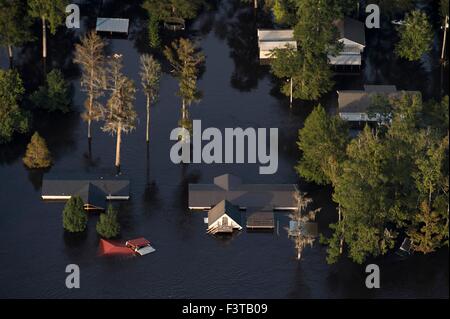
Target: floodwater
x=188 y=263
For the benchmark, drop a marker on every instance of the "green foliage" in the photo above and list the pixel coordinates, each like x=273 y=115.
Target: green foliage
x=444 y=6
x=153 y=32
x=12 y=118
x=14 y=26
x=108 y=226
x=323 y=141
x=416 y=36
x=284 y=12
x=74 y=216
x=55 y=95
x=186 y=9
x=52 y=10
x=386 y=181
x=37 y=155
x=186 y=60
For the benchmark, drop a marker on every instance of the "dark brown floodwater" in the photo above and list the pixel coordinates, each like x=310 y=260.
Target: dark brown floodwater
x=34 y=249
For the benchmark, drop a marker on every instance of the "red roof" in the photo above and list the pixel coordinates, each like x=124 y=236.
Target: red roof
x=113 y=248
x=138 y=242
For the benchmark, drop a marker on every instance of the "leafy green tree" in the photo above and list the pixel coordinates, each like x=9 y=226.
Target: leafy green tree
x=150 y=77
x=120 y=115
x=315 y=31
x=186 y=9
x=74 y=216
x=90 y=56
x=363 y=193
x=416 y=36
x=108 y=226
x=186 y=60
x=14 y=26
x=317 y=36
x=323 y=141
x=284 y=12
x=429 y=225
x=55 y=95
x=153 y=31
x=286 y=63
x=37 y=154
x=51 y=12
x=12 y=117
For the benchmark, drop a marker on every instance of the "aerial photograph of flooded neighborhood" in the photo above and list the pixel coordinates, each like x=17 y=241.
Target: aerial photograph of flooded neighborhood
x=224 y=149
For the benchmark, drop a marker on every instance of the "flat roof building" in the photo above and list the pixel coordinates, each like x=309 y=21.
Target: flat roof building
x=112 y=25
x=269 y=40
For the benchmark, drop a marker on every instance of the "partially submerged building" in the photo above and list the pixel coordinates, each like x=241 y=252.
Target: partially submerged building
x=95 y=191
x=112 y=25
x=353 y=37
x=231 y=188
x=354 y=105
x=269 y=40
x=224 y=218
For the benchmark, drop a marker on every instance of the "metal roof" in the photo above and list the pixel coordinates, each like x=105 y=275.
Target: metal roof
x=228 y=187
x=112 y=25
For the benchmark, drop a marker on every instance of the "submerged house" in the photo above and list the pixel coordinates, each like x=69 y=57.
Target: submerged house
x=231 y=188
x=269 y=40
x=353 y=38
x=94 y=191
x=354 y=104
x=224 y=218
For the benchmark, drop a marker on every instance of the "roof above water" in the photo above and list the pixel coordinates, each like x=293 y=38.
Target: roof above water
x=112 y=25
x=224 y=207
x=352 y=30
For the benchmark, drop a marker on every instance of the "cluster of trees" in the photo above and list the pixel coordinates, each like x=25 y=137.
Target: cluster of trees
x=307 y=70
x=75 y=219
x=159 y=11
x=101 y=74
x=388 y=181
x=17 y=17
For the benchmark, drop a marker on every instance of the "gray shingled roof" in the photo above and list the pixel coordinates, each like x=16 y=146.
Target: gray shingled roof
x=224 y=207
x=92 y=189
x=352 y=29
x=228 y=187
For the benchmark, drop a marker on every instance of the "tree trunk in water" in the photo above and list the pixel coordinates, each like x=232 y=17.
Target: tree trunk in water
x=44 y=39
x=290 y=101
x=341 y=243
x=255 y=4
x=118 y=142
x=10 y=54
x=147 y=132
x=445 y=38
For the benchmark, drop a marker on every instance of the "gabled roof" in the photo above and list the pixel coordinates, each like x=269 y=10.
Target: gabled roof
x=227 y=181
x=352 y=30
x=92 y=195
x=224 y=207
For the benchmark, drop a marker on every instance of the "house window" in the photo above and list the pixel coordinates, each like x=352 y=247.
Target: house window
x=224 y=221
